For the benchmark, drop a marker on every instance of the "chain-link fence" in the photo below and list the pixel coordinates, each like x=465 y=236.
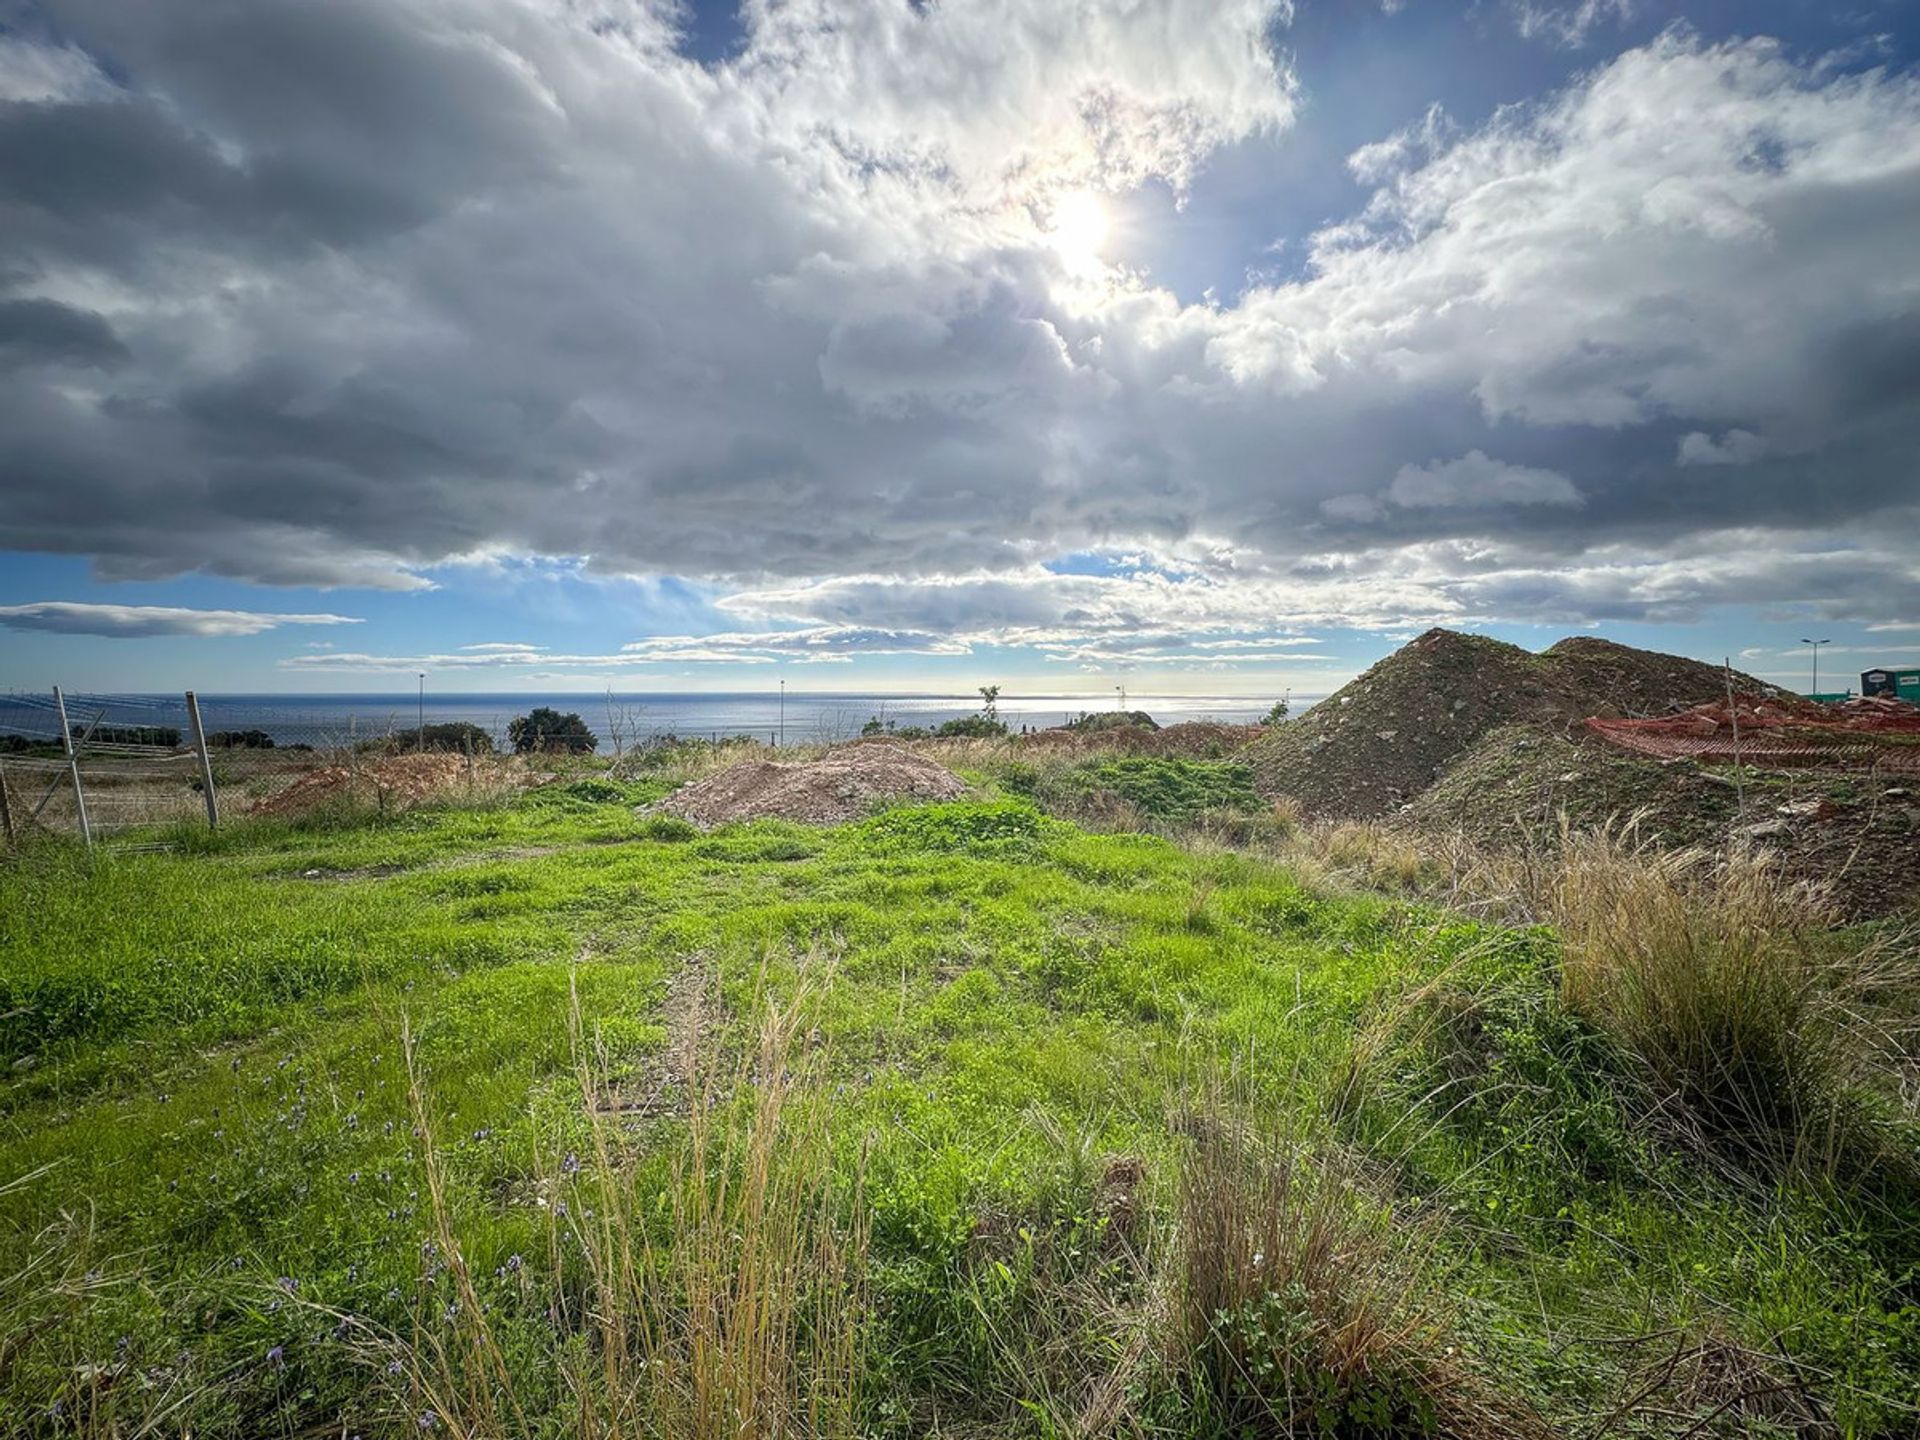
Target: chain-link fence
x=98 y=766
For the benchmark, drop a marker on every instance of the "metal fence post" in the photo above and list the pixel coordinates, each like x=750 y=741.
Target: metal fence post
x=73 y=767
x=6 y=806
x=206 y=760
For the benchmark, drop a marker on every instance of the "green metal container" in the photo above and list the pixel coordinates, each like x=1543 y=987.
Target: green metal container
x=1905 y=684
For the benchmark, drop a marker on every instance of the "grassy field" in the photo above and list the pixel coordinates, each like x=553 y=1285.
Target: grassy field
x=545 y=1118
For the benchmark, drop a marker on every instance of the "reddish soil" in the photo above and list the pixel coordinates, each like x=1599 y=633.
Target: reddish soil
x=1768 y=731
x=842 y=785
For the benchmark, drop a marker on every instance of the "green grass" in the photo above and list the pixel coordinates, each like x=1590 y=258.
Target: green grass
x=1158 y=789
x=209 y=1093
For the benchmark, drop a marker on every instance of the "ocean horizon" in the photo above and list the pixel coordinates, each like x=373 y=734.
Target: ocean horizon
x=804 y=717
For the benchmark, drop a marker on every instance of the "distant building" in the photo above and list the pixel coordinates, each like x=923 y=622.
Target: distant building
x=1905 y=684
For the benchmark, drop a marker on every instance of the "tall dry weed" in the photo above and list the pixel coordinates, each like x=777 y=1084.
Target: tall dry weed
x=725 y=1302
x=1754 y=1024
x=1296 y=1308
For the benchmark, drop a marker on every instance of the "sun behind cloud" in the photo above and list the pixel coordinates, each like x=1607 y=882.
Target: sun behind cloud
x=1077 y=229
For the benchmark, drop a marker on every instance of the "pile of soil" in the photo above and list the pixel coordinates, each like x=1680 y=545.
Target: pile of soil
x=842 y=785
x=1373 y=746
x=1857 y=832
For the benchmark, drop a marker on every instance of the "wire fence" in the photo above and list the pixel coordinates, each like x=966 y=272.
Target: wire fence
x=97 y=765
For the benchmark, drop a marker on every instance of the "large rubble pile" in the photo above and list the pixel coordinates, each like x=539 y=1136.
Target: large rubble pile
x=842 y=785
x=1375 y=745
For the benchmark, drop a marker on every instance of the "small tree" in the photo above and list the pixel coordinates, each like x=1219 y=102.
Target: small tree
x=1281 y=708
x=547 y=729
x=990 y=695
x=873 y=726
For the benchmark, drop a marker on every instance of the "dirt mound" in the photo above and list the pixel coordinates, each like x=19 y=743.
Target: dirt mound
x=842 y=785
x=1603 y=678
x=1371 y=747
x=1858 y=834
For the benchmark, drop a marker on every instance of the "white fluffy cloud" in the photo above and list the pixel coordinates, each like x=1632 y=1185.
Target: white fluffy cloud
x=332 y=297
x=67 y=617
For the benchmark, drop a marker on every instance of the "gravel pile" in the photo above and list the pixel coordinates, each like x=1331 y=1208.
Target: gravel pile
x=843 y=785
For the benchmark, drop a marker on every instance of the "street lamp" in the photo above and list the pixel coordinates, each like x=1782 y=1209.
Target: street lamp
x=420 y=735
x=783 y=711
x=1816 y=644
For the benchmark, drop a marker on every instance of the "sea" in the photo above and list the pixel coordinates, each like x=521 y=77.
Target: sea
x=798 y=718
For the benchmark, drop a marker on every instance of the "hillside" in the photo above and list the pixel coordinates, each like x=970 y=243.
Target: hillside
x=1374 y=745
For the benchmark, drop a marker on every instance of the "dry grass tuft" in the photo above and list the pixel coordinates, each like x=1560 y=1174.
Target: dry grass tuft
x=1753 y=1024
x=1295 y=1311
x=723 y=1304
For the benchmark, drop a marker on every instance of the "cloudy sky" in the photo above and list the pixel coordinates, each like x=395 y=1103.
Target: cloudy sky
x=1212 y=345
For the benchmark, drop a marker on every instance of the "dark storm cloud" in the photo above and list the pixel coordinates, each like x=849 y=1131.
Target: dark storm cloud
x=331 y=294
x=45 y=331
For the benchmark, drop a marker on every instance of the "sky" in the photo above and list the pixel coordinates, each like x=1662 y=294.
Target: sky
x=1210 y=346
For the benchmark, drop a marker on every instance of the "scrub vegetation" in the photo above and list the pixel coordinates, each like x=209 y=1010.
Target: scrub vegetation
x=1104 y=1101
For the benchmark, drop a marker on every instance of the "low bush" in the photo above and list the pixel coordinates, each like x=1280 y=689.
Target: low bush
x=546 y=729
x=967 y=727
x=239 y=740
x=457 y=736
x=1093 y=721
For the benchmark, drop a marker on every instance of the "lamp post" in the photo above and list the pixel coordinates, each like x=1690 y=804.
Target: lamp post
x=1816 y=644
x=420 y=734
x=783 y=711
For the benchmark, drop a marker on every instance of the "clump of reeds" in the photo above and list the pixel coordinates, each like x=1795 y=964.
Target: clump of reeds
x=1755 y=1025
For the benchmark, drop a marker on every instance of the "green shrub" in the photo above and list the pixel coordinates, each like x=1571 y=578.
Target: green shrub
x=545 y=728
x=239 y=740
x=1094 y=721
x=458 y=736
x=970 y=727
